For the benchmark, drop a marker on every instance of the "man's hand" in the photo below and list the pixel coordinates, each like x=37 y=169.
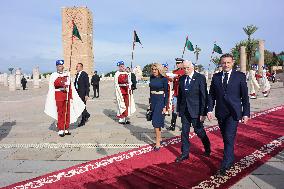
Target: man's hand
x=245 y=119
x=210 y=116
x=86 y=98
x=202 y=118
x=164 y=111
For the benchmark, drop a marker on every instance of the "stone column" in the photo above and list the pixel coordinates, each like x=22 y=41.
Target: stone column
x=243 y=58
x=12 y=82
x=18 y=78
x=206 y=74
x=47 y=78
x=261 y=56
x=5 y=79
x=36 y=77
x=1 y=78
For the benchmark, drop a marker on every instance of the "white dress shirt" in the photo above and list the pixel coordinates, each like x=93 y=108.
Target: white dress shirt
x=229 y=75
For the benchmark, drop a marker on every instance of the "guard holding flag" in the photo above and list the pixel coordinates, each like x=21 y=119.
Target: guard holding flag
x=124 y=94
x=62 y=101
x=178 y=73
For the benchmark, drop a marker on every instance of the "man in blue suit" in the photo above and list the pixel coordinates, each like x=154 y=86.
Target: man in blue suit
x=192 y=108
x=229 y=92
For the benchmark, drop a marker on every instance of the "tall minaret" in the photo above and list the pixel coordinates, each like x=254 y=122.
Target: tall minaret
x=82 y=51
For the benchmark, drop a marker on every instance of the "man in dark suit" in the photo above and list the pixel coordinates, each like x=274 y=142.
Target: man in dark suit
x=229 y=92
x=82 y=86
x=95 y=82
x=192 y=108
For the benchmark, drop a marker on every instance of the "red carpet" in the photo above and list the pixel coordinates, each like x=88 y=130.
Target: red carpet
x=258 y=141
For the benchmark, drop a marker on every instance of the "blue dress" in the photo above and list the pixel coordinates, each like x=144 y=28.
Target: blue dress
x=158 y=101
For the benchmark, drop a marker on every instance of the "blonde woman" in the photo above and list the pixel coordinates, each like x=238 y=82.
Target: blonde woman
x=158 y=99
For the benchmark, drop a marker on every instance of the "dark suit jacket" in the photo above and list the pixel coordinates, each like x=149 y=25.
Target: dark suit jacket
x=234 y=101
x=83 y=85
x=195 y=99
x=95 y=80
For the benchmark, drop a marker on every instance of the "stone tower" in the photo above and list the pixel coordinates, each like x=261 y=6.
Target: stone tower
x=82 y=51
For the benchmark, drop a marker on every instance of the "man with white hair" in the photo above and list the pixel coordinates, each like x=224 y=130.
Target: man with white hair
x=192 y=108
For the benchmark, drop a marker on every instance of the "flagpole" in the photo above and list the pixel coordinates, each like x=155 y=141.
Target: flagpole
x=211 y=55
x=132 y=57
x=184 y=46
x=67 y=97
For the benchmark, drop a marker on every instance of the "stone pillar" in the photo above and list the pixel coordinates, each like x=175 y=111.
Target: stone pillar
x=18 y=78
x=82 y=51
x=206 y=74
x=36 y=77
x=47 y=78
x=1 y=78
x=5 y=79
x=261 y=56
x=12 y=82
x=243 y=59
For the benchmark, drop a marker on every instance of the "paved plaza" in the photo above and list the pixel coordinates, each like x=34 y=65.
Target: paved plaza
x=30 y=146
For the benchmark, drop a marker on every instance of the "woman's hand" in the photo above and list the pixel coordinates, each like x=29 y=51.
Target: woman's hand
x=164 y=110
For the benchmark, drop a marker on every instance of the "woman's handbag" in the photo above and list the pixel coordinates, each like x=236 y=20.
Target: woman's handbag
x=149 y=114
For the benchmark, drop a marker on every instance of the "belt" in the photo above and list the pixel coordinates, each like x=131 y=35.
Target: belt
x=60 y=89
x=157 y=92
x=123 y=85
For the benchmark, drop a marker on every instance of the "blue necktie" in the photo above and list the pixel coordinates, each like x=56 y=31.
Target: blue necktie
x=187 y=83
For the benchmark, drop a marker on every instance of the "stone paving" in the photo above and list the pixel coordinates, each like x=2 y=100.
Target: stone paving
x=22 y=121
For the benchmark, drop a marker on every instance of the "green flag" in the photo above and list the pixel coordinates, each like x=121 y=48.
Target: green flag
x=217 y=49
x=136 y=38
x=75 y=32
x=257 y=55
x=189 y=45
x=281 y=57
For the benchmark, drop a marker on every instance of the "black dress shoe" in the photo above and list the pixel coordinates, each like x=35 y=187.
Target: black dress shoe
x=62 y=135
x=127 y=122
x=222 y=172
x=81 y=124
x=68 y=133
x=181 y=158
x=171 y=128
x=157 y=148
x=207 y=153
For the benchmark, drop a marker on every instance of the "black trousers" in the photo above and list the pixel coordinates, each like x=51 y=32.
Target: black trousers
x=85 y=114
x=228 y=127
x=96 y=88
x=186 y=121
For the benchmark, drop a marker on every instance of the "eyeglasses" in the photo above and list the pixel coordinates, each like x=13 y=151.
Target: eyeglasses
x=186 y=68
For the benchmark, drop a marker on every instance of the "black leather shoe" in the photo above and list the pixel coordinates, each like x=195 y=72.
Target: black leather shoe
x=207 y=153
x=181 y=158
x=81 y=124
x=62 y=135
x=127 y=122
x=156 y=148
x=171 y=128
x=68 y=133
x=222 y=172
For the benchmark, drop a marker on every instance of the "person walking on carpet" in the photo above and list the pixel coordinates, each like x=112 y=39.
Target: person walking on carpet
x=192 y=108
x=158 y=100
x=229 y=92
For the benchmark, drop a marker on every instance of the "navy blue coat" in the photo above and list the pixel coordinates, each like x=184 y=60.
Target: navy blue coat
x=195 y=99
x=234 y=101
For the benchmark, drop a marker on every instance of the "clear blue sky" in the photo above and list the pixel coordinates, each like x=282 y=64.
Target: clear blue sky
x=31 y=29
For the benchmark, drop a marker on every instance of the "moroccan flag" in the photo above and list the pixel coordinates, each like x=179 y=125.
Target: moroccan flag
x=136 y=38
x=189 y=45
x=217 y=49
x=75 y=31
x=257 y=54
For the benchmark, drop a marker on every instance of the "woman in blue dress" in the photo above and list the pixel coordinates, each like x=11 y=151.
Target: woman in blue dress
x=158 y=100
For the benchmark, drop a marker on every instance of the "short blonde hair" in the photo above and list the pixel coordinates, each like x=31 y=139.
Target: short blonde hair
x=159 y=67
